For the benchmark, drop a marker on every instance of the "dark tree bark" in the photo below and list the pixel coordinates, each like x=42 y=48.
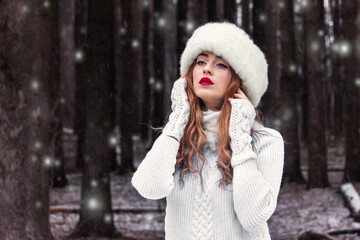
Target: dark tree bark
x=266 y=25
x=136 y=49
x=181 y=35
x=245 y=16
x=350 y=13
x=80 y=32
x=96 y=218
x=146 y=64
x=65 y=98
x=212 y=10
x=197 y=15
x=289 y=95
x=315 y=49
x=28 y=59
x=159 y=69
x=127 y=77
x=230 y=11
x=337 y=77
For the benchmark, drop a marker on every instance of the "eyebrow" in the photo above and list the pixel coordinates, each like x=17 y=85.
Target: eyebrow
x=205 y=55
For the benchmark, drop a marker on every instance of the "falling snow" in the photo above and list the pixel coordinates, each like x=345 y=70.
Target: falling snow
x=79 y=55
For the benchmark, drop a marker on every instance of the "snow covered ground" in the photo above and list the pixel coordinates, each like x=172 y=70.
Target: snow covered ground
x=298 y=210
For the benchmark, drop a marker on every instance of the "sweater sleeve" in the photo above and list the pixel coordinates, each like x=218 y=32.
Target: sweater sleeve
x=154 y=177
x=257 y=178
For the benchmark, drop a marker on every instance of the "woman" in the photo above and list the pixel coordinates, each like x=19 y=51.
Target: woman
x=219 y=169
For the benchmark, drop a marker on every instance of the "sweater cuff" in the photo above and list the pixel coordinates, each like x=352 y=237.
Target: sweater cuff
x=243 y=157
x=167 y=145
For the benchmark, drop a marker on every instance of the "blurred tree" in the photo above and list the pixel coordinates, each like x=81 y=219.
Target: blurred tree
x=197 y=15
x=315 y=50
x=265 y=28
x=181 y=35
x=80 y=33
x=337 y=77
x=212 y=11
x=159 y=69
x=125 y=82
x=28 y=59
x=96 y=219
x=230 y=11
x=289 y=95
x=351 y=16
x=245 y=16
x=136 y=32
x=63 y=91
x=147 y=66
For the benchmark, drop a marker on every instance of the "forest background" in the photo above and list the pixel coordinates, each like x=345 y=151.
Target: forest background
x=81 y=82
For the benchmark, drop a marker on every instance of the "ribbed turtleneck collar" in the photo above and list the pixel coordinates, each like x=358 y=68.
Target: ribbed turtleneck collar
x=209 y=124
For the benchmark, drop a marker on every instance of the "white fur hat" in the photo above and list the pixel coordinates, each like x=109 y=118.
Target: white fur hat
x=235 y=46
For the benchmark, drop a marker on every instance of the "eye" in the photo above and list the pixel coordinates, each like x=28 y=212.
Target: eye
x=200 y=62
x=222 y=65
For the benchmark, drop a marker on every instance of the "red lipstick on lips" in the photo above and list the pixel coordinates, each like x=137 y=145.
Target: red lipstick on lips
x=205 y=81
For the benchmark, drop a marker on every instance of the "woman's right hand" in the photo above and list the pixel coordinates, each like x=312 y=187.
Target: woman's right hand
x=180 y=110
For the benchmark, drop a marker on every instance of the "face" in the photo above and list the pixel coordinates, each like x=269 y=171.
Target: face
x=211 y=77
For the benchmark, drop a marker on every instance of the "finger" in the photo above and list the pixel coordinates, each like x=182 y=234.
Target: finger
x=238 y=95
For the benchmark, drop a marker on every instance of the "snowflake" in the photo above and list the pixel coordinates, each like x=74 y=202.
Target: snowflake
x=93 y=204
x=93 y=183
x=135 y=43
x=108 y=218
x=35 y=85
x=189 y=26
x=47 y=161
x=79 y=55
x=357 y=82
x=161 y=22
x=46 y=4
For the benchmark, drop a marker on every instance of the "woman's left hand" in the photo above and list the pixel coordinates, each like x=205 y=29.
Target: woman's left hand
x=239 y=94
x=241 y=121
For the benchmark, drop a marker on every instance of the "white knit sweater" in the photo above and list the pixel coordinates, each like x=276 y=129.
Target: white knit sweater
x=209 y=212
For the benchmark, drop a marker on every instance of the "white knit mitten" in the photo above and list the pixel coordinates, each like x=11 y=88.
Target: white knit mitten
x=241 y=121
x=180 y=110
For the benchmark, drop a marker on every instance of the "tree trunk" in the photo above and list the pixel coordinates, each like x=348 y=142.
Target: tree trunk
x=28 y=59
x=337 y=78
x=181 y=36
x=351 y=13
x=289 y=96
x=230 y=11
x=146 y=64
x=315 y=49
x=136 y=51
x=159 y=70
x=96 y=218
x=65 y=98
x=127 y=77
x=81 y=14
x=212 y=11
x=245 y=16
x=266 y=25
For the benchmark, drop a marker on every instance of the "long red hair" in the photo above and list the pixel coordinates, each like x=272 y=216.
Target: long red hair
x=194 y=138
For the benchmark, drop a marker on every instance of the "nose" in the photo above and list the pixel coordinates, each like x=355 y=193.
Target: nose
x=207 y=69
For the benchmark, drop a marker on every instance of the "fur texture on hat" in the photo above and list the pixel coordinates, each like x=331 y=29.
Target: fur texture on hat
x=235 y=46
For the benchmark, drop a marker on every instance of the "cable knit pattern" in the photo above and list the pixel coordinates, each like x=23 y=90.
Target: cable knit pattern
x=202 y=227
x=241 y=121
x=180 y=110
x=240 y=211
